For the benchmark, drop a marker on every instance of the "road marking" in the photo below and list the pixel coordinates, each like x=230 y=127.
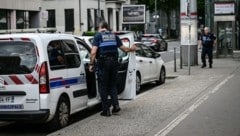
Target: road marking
x=188 y=111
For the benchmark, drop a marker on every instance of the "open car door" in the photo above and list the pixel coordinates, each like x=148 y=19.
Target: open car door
x=126 y=79
x=126 y=84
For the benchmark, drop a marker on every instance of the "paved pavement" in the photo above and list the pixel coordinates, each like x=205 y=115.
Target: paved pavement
x=154 y=109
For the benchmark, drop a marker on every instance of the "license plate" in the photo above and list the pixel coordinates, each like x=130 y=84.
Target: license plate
x=6 y=99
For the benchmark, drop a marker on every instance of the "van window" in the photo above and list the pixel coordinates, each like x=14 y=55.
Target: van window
x=71 y=54
x=63 y=54
x=17 y=57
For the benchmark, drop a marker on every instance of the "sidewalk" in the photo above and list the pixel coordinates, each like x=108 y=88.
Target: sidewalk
x=151 y=110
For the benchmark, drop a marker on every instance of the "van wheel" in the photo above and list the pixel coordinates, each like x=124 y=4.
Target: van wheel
x=61 y=117
x=138 y=84
x=162 y=77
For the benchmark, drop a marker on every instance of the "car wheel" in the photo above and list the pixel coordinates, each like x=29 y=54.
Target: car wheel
x=162 y=77
x=138 y=84
x=62 y=114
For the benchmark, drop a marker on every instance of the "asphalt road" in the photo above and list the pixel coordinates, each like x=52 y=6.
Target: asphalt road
x=218 y=115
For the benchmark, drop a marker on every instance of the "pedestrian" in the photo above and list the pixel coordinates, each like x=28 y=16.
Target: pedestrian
x=207 y=41
x=104 y=57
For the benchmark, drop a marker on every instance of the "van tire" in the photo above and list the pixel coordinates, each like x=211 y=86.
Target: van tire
x=162 y=77
x=62 y=114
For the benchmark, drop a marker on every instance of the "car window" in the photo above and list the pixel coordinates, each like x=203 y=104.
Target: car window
x=63 y=54
x=125 y=42
x=84 y=53
x=71 y=54
x=17 y=57
x=139 y=51
x=147 y=51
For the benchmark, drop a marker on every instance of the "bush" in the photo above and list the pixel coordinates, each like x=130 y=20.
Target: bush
x=89 y=33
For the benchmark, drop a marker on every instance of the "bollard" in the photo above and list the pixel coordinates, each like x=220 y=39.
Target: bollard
x=175 y=63
x=180 y=57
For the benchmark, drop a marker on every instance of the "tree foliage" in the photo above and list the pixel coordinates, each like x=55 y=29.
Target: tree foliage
x=165 y=5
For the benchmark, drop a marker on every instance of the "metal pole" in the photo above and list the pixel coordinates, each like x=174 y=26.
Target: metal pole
x=99 y=12
x=189 y=40
x=180 y=57
x=155 y=16
x=175 y=63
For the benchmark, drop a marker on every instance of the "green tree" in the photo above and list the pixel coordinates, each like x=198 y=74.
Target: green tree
x=165 y=5
x=201 y=10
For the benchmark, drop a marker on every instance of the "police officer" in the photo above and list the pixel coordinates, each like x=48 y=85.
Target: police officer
x=207 y=41
x=104 y=54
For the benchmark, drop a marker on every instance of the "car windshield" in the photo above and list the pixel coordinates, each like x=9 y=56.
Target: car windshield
x=17 y=57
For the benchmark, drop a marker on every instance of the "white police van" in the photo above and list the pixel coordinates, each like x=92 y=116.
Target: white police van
x=43 y=78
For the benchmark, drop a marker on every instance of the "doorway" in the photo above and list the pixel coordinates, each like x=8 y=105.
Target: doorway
x=225 y=38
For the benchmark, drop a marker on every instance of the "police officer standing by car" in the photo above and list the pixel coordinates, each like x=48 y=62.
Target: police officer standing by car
x=207 y=41
x=104 y=57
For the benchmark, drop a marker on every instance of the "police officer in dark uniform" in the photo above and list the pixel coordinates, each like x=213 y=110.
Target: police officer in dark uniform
x=208 y=41
x=104 y=54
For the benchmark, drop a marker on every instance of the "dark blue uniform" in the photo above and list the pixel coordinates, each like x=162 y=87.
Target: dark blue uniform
x=107 y=66
x=207 y=49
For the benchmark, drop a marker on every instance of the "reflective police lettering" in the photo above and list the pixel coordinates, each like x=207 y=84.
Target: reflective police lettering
x=108 y=37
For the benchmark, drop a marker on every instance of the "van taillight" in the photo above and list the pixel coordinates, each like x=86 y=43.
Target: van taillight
x=43 y=79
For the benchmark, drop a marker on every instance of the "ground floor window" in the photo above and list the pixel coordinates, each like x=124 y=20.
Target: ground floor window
x=69 y=20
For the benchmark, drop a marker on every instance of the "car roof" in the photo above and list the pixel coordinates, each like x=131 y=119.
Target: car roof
x=149 y=35
x=34 y=35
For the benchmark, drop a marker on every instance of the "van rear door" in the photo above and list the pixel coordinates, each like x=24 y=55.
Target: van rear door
x=19 y=89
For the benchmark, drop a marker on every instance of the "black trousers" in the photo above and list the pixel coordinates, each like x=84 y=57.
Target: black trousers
x=209 y=52
x=107 y=70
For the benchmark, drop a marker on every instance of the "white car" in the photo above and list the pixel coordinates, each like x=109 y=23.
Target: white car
x=149 y=64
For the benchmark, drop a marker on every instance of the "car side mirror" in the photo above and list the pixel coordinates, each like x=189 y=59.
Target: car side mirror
x=156 y=55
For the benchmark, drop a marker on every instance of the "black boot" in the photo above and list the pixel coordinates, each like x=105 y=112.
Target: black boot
x=116 y=109
x=203 y=66
x=105 y=113
x=210 y=65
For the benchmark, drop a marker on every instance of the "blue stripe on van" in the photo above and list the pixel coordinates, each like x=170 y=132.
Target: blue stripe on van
x=67 y=82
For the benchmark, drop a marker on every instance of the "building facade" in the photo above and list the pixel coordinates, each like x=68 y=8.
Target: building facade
x=72 y=16
x=15 y=14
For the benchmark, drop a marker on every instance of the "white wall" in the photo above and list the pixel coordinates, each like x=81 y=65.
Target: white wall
x=60 y=5
x=92 y=4
x=20 y=4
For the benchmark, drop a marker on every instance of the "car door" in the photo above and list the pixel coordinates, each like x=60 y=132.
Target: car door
x=150 y=61
x=76 y=80
x=127 y=70
x=126 y=73
x=142 y=63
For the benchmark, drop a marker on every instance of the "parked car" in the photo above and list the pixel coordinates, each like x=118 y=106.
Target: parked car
x=155 y=41
x=149 y=66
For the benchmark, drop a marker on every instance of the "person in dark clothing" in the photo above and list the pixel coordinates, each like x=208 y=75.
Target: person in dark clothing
x=104 y=55
x=207 y=41
x=56 y=57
